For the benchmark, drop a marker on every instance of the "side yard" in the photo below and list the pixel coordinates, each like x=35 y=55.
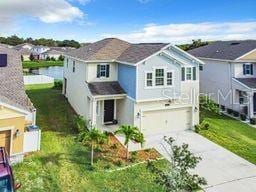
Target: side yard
x=63 y=164
x=37 y=64
x=232 y=134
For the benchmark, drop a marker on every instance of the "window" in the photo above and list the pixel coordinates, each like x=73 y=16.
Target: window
x=188 y=73
x=159 y=77
x=67 y=62
x=149 y=79
x=241 y=97
x=74 y=66
x=201 y=67
x=169 y=78
x=248 y=69
x=102 y=70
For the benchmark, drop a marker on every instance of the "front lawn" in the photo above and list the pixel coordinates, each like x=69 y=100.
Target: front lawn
x=63 y=164
x=38 y=64
x=232 y=134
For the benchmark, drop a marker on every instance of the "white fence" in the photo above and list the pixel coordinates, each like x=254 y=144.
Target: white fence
x=37 y=79
x=32 y=141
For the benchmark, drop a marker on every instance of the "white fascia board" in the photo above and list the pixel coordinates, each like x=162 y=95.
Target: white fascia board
x=103 y=97
x=189 y=56
x=156 y=53
x=25 y=112
x=212 y=59
x=174 y=58
x=245 y=54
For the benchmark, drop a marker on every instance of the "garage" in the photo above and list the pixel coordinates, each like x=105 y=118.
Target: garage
x=168 y=120
x=5 y=140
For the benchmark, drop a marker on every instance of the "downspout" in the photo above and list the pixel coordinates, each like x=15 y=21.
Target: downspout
x=231 y=85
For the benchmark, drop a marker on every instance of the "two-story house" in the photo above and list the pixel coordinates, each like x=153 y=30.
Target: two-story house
x=38 y=50
x=229 y=74
x=153 y=86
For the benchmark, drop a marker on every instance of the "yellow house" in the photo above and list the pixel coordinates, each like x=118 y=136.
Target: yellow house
x=18 y=132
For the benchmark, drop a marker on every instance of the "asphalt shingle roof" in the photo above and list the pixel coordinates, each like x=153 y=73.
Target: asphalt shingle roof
x=227 y=50
x=249 y=82
x=12 y=89
x=116 y=49
x=106 y=88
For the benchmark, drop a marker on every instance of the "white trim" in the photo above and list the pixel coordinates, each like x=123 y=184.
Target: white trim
x=155 y=99
x=243 y=84
x=106 y=97
x=130 y=98
x=15 y=108
x=169 y=108
x=114 y=109
x=245 y=54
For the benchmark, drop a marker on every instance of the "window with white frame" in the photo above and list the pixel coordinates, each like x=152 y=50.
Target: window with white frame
x=102 y=70
x=74 y=66
x=67 y=62
x=159 y=77
x=149 y=79
x=169 y=78
x=188 y=73
x=248 y=69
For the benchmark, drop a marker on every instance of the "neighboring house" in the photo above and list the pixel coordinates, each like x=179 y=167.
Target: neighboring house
x=25 y=50
x=38 y=50
x=17 y=113
x=55 y=52
x=153 y=86
x=229 y=75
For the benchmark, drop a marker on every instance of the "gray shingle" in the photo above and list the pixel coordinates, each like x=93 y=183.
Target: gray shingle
x=227 y=50
x=116 y=49
x=12 y=89
x=249 y=82
x=105 y=88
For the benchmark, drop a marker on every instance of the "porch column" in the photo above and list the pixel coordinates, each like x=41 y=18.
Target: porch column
x=250 y=105
x=94 y=105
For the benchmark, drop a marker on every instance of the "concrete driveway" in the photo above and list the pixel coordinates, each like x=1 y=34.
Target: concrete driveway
x=223 y=170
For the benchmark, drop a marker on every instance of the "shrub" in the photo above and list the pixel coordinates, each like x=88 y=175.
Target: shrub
x=58 y=85
x=209 y=105
x=31 y=57
x=253 y=121
x=61 y=58
x=48 y=58
x=236 y=114
x=206 y=126
x=119 y=163
x=243 y=117
x=197 y=128
x=53 y=59
x=222 y=108
x=133 y=159
x=229 y=111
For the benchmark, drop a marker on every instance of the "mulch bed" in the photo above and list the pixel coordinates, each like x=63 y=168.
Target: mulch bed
x=115 y=152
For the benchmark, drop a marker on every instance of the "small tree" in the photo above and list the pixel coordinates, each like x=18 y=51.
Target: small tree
x=131 y=134
x=48 y=58
x=178 y=177
x=31 y=57
x=53 y=59
x=61 y=58
x=95 y=137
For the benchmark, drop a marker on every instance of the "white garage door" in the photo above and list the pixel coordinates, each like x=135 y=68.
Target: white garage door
x=162 y=121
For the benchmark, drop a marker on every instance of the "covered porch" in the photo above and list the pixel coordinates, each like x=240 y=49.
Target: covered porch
x=105 y=102
x=244 y=100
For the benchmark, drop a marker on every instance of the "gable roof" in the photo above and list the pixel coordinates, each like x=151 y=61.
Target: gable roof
x=226 y=50
x=12 y=89
x=115 y=49
x=105 y=88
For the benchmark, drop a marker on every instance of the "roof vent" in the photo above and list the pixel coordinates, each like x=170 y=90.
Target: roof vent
x=3 y=60
x=235 y=43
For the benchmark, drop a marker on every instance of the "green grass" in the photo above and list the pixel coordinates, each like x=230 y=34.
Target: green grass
x=63 y=164
x=37 y=64
x=232 y=134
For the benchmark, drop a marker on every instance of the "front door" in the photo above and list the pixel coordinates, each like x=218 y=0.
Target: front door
x=108 y=110
x=254 y=103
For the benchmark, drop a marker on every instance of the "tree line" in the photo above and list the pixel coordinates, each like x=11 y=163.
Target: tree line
x=15 y=40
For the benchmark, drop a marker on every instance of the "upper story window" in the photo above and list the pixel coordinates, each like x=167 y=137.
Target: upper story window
x=169 y=78
x=149 y=80
x=103 y=70
x=159 y=77
x=248 y=69
x=74 y=66
x=188 y=73
x=3 y=60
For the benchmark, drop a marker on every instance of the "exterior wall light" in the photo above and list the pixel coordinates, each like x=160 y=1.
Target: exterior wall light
x=17 y=133
x=196 y=109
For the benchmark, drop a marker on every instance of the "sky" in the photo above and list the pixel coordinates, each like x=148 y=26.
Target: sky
x=172 y=21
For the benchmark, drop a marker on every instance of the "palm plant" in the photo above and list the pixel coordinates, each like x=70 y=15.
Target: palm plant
x=95 y=137
x=131 y=133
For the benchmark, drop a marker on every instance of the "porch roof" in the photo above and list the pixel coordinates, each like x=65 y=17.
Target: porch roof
x=106 y=88
x=249 y=82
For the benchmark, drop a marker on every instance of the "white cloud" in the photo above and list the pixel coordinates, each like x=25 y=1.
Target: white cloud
x=48 y=11
x=144 y=1
x=184 y=33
